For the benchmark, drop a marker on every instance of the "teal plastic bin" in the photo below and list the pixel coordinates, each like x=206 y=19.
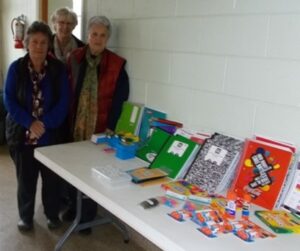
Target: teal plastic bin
x=125 y=151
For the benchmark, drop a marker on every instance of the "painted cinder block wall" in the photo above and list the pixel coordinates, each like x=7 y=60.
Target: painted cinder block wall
x=231 y=66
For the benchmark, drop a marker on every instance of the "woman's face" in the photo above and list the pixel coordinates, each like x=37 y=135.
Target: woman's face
x=64 y=27
x=97 y=38
x=38 y=45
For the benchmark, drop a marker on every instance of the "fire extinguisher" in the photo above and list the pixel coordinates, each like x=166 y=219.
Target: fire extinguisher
x=18 y=30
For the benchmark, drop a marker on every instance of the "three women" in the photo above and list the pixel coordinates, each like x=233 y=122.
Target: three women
x=36 y=96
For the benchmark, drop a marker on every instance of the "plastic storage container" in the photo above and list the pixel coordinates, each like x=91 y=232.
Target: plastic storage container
x=113 y=141
x=124 y=151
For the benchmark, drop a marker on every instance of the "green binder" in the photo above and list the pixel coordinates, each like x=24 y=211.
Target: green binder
x=176 y=156
x=130 y=118
x=150 y=149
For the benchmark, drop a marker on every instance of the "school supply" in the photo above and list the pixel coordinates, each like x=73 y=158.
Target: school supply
x=292 y=199
x=176 y=156
x=246 y=206
x=111 y=175
x=144 y=174
x=280 y=221
x=197 y=137
x=149 y=203
x=178 y=189
x=262 y=171
x=215 y=164
x=130 y=118
x=148 y=150
x=169 y=126
x=230 y=209
x=99 y=138
x=149 y=115
x=276 y=142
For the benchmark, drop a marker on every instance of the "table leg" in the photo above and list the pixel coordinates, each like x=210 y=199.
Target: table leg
x=75 y=223
x=123 y=230
x=76 y=226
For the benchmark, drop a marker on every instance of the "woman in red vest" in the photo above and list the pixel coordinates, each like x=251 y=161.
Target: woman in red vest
x=100 y=85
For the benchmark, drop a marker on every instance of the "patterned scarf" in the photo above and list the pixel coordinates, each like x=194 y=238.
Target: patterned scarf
x=37 y=98
x=86 y=116
x=63 y=53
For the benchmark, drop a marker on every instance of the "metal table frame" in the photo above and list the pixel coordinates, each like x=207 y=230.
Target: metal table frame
x=77 y=226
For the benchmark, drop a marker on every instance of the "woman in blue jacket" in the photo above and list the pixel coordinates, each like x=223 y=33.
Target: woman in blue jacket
x=36 y=96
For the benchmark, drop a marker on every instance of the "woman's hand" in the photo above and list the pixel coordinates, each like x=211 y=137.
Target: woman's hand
x=37 y=129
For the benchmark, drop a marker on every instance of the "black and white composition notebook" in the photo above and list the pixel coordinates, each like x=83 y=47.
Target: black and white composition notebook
x=215 y=164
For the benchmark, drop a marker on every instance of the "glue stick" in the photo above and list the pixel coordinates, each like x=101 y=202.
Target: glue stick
x=246 y=206
x=230 y=209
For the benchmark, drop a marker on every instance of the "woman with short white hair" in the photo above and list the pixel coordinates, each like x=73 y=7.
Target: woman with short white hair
x=100 y=85
x=64 y=21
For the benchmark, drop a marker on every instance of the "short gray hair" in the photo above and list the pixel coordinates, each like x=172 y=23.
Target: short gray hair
x=100 y=20
x=65 y=11
x=38 y=27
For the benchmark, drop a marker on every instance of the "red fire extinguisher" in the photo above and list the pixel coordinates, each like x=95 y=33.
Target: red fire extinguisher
x=18 y=30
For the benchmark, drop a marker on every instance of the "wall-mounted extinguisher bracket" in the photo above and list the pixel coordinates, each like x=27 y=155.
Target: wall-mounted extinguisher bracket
x=18 y=30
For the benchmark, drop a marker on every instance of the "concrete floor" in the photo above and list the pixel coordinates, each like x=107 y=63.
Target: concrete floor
x=41 y=239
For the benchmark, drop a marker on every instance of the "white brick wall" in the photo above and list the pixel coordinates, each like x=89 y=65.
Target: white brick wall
x=231 y=66
x=217 y=65
x=284 y=36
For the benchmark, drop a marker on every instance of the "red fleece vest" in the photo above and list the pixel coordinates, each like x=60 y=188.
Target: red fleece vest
x=110 y=68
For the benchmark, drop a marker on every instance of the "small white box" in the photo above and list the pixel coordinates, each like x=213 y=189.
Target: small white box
x=111 y=175
x=99 y=138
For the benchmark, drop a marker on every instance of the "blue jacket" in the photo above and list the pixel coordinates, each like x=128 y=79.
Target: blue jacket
x=55 y=91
